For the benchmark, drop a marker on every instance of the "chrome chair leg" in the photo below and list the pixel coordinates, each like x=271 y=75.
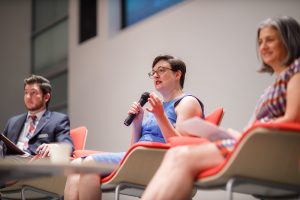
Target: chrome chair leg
x=229 y=188
x=117 y=191
x=40 y=191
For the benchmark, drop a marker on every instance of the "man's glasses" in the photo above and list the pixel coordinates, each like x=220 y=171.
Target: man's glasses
x=160 y=71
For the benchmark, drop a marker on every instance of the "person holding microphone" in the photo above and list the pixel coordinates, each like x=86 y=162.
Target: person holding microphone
x=176 y=106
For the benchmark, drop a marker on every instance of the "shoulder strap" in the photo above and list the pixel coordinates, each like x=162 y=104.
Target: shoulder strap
x=201 y=104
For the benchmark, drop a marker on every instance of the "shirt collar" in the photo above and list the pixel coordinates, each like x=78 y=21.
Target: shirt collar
x=38 y=115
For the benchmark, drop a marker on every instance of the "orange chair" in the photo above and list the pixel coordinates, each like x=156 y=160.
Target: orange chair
x=139 y=164
x=264 y=163
x=216 y=116
x=79 y=136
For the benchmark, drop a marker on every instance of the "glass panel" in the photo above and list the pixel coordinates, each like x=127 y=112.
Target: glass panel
x=136 y=10
x=48 y=11
x=59 y=90
x=50 y=48
x=87 y=19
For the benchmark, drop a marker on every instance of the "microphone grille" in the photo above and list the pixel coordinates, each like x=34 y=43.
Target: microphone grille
x=144 y=98
x=145 y=95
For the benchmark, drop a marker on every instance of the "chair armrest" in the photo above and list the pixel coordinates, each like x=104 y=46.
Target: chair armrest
x=277 y=125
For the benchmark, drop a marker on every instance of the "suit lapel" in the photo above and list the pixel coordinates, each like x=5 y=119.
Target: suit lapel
x=18 y=127
x=43 y=121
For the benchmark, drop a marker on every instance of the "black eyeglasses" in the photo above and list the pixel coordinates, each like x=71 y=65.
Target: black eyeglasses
x=160 y=71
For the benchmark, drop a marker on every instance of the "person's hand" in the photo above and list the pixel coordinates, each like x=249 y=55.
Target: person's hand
x=43 y=150
x=156 y=105
x=136 y=109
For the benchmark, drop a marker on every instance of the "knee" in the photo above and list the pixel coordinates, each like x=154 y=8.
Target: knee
x=179 y=156
x=89 y=160
x=77 y=161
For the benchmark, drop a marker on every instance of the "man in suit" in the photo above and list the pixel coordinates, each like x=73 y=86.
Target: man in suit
x=35 y=130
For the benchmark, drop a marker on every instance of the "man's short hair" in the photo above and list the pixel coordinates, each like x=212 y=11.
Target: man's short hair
x=43 y=83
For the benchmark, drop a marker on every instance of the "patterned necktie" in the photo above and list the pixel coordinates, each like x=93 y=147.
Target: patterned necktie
x=32 y=121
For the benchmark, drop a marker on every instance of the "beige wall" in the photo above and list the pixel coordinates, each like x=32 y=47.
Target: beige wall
x=14 y=55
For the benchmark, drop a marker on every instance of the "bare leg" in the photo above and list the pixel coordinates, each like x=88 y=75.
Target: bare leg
x=175 y=177
x=89 y=184
x=72 y=184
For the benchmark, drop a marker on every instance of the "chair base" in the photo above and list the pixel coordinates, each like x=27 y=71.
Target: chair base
x=133 y=190
x=261 y=189
x=41 y=188
x=125 y=188
x=129 y=189
x=29 y=192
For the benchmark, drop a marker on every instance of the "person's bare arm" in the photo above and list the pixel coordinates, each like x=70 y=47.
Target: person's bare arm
x=187 y=108
x=292 y=113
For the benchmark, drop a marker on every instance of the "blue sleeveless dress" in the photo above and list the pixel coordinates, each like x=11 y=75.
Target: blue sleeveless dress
x=150 y=131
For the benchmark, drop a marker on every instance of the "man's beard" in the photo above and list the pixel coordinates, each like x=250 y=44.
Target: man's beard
x=36 y=107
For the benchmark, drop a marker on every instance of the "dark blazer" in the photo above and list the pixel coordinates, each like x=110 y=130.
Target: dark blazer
x=52 y=127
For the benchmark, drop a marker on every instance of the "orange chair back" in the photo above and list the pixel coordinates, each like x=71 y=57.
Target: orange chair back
x=216 y=116
x=79 y=137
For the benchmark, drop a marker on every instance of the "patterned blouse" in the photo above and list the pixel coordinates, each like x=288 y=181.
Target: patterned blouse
x=272 y=104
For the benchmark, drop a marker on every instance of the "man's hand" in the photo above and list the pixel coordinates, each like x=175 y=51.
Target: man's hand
x=43 y=150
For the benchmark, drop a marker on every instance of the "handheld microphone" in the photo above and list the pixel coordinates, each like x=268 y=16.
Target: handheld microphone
x=143 y=100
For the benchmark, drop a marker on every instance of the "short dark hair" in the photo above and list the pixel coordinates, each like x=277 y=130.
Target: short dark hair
x=44 y=84
x=175 y=63
x=289 y=31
